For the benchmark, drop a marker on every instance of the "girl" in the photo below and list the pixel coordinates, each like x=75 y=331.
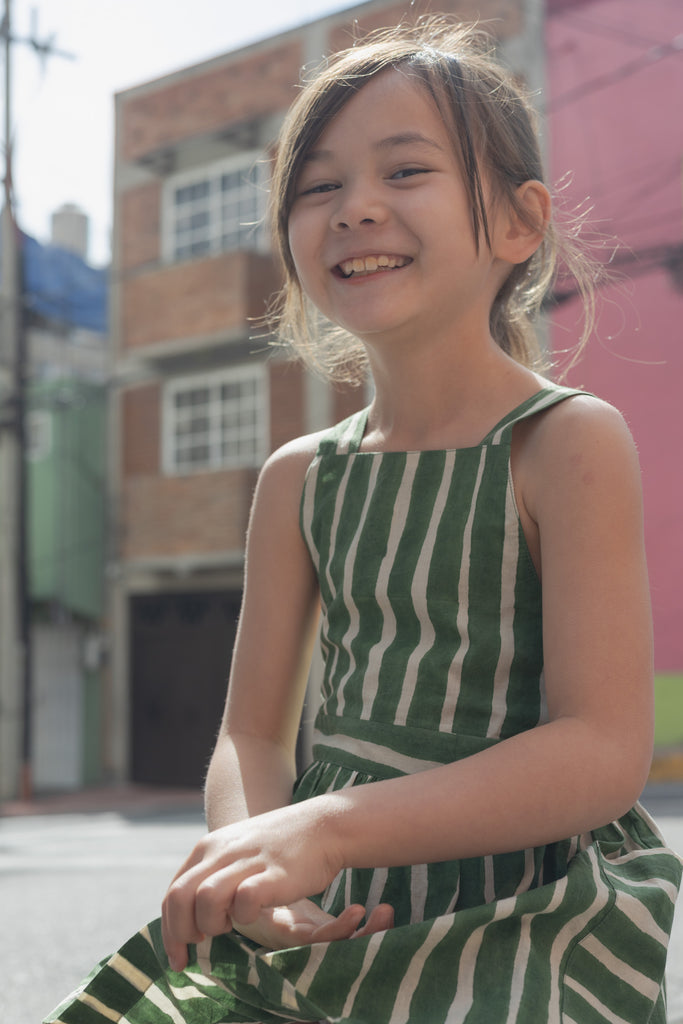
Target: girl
x=474 y=540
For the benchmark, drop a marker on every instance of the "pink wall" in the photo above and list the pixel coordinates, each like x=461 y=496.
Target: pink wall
x=615 y=122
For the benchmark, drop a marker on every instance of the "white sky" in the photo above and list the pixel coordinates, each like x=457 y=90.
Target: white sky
x=63 y=110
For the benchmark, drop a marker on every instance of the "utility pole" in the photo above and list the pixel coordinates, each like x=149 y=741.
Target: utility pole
x=15 y=620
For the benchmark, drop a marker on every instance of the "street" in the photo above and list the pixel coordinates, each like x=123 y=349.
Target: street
x=74 y=886
x=72 y=889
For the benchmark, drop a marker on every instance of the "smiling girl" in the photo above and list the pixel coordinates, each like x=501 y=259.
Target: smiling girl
x=467 y=843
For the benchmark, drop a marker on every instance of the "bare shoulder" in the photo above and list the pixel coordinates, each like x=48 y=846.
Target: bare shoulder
x=585 y=412
x=284 y=471
x=579 y=443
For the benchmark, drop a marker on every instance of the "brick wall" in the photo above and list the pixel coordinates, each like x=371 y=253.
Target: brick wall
x=141 y=430
x=140 y=225
x=185 y=300
x=287 y=397
x=185 y=515
x=252 y=86
x=174 y=515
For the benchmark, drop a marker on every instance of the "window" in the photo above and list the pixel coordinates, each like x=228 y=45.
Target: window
x=216 y=421
x=215 y=209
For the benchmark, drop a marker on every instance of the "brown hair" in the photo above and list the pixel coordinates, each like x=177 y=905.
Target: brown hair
x=495 y=136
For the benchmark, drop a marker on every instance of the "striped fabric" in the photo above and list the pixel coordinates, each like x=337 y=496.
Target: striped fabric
x=431 y=633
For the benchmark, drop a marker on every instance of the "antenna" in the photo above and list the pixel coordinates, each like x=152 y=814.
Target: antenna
x=46 y=47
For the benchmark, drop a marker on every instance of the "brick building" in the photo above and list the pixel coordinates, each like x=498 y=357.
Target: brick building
x=200 y=401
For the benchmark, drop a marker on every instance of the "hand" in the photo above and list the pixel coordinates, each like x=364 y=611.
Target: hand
x=304 y=922
x=233 y=873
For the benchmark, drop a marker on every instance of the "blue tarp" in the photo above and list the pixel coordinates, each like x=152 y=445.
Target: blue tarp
x=59 y=285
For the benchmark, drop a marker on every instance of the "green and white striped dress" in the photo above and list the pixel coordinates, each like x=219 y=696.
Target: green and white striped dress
x=431 y=634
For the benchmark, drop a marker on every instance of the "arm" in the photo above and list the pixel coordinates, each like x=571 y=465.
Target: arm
x=252 y=769
x=578 y=487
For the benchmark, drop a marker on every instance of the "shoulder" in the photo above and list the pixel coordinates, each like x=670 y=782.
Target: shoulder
x=284 y=471
x=579 y=448
x=292 y=461
x=578 y=427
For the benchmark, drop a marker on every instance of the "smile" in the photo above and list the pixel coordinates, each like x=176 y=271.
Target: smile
x=371 y=264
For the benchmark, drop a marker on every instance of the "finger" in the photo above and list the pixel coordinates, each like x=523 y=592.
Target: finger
x=178 y=923
x=341 y=927
x=380 y=919
x=250 y=896
x=177 y=955
x=175 y=945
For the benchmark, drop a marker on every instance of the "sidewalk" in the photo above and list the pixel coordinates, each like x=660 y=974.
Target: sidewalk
x=129 y=799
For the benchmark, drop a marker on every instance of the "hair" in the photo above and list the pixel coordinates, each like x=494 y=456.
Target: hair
x=495 y=137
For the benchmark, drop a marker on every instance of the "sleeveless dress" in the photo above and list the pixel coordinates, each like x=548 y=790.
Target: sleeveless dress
x=431 y=634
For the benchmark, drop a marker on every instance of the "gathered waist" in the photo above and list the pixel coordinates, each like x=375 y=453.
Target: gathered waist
x=389 y=751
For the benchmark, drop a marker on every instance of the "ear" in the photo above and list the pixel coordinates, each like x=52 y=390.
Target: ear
x=524 y=225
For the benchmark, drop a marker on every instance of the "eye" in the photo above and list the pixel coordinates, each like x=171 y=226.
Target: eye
x=314 y=190
x=408 y=172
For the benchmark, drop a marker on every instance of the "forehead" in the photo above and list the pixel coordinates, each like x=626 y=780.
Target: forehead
x=393 y=106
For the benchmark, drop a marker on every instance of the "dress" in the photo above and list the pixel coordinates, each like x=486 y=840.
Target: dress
x=431 y=635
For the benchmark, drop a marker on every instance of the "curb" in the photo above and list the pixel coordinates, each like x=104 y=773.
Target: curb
x=667 y=766
x=130 y=799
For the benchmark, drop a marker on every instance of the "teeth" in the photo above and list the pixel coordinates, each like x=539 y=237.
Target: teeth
x=369 y=264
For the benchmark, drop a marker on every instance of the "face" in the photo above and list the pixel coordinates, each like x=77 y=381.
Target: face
x=380 y=229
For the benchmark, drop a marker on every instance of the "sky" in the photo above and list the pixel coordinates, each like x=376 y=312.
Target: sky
x=62 y=107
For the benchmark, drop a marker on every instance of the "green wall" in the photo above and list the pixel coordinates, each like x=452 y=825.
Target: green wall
x=66 y=489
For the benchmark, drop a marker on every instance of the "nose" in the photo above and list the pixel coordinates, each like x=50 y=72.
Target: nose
x=358 y=204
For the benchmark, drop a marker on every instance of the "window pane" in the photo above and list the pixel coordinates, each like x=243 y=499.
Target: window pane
x=216 y=424
x=219 y=212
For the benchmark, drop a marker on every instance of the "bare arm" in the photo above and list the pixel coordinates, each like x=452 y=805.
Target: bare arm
x=252 y=769
x=578 y=483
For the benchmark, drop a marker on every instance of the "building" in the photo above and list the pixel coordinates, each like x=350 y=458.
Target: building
x=52 y=566
x=67 y=554
x=200 y=402
x=615 y=78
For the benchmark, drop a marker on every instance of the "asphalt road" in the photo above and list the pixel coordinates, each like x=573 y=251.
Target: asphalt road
x=74 y=886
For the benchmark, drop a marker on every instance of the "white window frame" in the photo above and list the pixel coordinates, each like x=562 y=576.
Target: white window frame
x=248 y=234
x=249 y=448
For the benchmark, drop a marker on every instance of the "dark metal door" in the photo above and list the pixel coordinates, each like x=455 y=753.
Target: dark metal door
x=181 y=645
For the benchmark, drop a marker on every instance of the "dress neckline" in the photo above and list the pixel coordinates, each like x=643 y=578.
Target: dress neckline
x=352 y=437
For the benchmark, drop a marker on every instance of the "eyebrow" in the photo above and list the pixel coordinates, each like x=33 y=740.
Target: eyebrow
x=390 y=142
